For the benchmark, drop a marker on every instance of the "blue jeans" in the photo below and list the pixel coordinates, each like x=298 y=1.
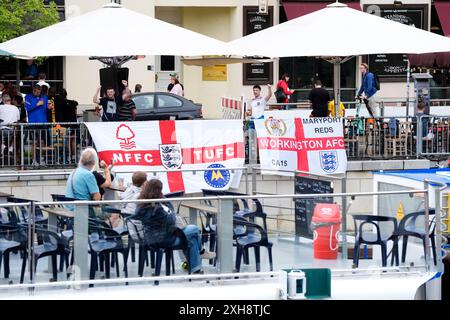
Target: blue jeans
x=192 y=234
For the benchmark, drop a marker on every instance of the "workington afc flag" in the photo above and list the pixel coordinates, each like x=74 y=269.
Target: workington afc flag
x=166 y=149
x=314 y=145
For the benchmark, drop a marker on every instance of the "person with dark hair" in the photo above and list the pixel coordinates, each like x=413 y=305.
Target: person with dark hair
x=177 y=88
x=127 y=111
x=319 y=98
x=65 y=109
x=284 y=86
x=110 y=104
x=259 y=102
x=31 y=71
x=138 y=88
x=51 y=113
x=173 y=75
x=42 y=76
x=36 y=104
x=160 y=224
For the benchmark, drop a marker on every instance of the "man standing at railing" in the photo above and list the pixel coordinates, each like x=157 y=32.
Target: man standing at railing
x=36 y=105
x=369 y=87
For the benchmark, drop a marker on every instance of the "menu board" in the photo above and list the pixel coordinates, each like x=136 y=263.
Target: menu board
x=257 y=73
x=391 y=67
x=304 y=208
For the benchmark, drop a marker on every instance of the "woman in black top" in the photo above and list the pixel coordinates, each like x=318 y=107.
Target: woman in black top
x=104 y=181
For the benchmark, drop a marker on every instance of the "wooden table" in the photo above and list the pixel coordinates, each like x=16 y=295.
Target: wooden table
x=224 y=214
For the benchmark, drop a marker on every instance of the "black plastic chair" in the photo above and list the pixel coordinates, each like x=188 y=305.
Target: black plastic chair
x=377 y=238
x=409 y=228
x=168 y=252
x=136 y=230
x=41 y=221
x=104 y=242
x=254 y=237
x=12 y=239
x=52 y=246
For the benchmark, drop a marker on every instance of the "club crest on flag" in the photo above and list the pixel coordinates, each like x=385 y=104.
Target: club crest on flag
x=217 y=179
x=329 y=161
x=275 y=127
x=171 y=156
x=125 y=135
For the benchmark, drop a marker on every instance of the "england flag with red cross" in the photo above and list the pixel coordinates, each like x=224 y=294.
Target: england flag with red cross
x=314 y=145
x=166 y=149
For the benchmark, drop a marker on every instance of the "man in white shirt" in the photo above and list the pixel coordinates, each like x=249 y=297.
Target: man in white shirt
x=42 y=81
x=8 y=112
x=133 y=192
x=259 y=103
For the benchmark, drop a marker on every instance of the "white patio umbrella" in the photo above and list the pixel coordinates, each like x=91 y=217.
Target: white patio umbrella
x=337 y=33
x=114 y=31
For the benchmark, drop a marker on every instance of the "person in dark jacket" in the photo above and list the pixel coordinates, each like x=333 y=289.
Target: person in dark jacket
x=160 y=224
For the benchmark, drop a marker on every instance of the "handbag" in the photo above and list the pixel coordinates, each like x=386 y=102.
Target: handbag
x=280 y=95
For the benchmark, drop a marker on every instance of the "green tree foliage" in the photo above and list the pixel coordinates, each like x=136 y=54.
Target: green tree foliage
x=19 y=17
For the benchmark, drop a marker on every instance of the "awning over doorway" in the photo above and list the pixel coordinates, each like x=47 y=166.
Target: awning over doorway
x=430 y=60
x=440 y=59
x=443 y=11
x=297 y=9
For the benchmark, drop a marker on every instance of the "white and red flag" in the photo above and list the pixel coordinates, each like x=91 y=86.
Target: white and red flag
x=314 y=145
x=170 y=146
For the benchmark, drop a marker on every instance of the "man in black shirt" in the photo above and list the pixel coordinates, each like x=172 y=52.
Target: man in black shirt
x=110 y=104
x=127 y=111
x=319 y=98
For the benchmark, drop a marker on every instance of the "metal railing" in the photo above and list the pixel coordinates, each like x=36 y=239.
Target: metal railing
x=42 y=145
x=384 y=138
x=224 y=223
x=58 y=145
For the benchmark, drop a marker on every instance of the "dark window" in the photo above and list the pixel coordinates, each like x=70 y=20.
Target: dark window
x=167 y=63
x=304 y=70
x=144 y=102
x=168 y=102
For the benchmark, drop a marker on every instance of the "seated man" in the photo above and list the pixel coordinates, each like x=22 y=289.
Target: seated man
x=81 y=184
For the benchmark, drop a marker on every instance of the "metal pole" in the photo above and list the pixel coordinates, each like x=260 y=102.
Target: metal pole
x=253 y=180
x=344 y=219
x=438 y=228
x=246 y=181
x=225 y=236
x=22 y=143
x=81 y=243
x=337 y=85
x=419 y=140
x=427 y=223
x=408 y=81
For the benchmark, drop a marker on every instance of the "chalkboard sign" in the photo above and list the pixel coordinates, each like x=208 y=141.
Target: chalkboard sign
x=257 y=73
x=304 y=208
x=392 y=67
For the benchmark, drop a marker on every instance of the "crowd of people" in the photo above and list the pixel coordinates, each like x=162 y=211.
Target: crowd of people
x=158 y=218
x=45 y=104
x=321 y=101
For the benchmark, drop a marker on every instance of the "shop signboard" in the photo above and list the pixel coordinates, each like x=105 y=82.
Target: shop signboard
x=254 y=21
x=392 y=67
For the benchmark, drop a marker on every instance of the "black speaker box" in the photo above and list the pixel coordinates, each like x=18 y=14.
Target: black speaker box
x=112 y=78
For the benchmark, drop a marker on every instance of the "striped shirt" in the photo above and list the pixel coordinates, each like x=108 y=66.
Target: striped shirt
x=125 y=111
